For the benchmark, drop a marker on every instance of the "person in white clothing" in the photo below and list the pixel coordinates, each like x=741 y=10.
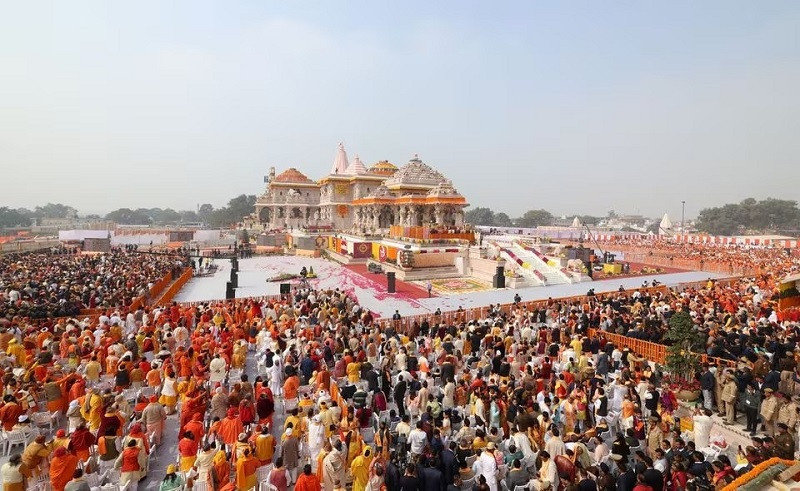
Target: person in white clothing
x=486 y=466
x=548 y=474
x=702 y=427
x=316 y=436
x=523 y=443
x=417 y=439
x=217 y=369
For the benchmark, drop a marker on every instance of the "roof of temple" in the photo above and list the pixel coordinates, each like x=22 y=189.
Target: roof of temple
x=340 y=163
x=416 y=172
x=444 y=189
x=292 y=175
x=356 y=167
x=383 y=168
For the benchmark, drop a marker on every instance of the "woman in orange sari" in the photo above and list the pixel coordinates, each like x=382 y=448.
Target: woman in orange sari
x=62 y=467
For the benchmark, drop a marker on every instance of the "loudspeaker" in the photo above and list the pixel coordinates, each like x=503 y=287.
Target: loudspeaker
x=230 y=292
x=234 y=279
x=499 y=270
x=499 y=281
x=390 y=282
x=235 y=264
x=286 y=288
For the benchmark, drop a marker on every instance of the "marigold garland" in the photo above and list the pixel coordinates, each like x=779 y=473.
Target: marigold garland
x=745 y=478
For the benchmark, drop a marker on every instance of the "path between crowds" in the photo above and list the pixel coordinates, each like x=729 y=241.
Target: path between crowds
x=253 y=274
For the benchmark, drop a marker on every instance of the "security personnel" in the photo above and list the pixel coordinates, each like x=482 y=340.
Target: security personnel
x=784 y=443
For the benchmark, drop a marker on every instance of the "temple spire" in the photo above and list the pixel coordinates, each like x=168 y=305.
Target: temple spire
x=340 y=163
x=357 y=167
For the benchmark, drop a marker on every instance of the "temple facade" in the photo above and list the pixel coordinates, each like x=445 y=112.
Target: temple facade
x=353 y=197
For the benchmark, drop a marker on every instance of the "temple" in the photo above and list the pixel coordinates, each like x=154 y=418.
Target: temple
x=380 y=199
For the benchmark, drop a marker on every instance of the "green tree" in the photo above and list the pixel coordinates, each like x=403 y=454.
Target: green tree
x=205 y=211
x=682 y=361
x=188 y=216
x=480 y=216
x=55 y=210
x=126 y=216
x=503 y=220
x=13 y=218
x=535 y=218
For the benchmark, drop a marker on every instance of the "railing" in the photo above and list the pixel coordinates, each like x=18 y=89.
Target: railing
x=406 y=323
x=175 y=287
x=654 y=352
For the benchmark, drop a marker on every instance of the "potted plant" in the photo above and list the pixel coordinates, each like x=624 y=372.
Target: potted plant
x=682 y=362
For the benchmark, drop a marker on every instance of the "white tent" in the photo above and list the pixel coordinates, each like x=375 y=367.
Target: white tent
x=576 y=223
x=666 y=223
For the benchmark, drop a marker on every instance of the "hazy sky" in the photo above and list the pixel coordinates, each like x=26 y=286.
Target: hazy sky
x=569 y=106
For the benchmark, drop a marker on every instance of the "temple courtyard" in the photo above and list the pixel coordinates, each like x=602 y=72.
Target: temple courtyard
x=410 y=299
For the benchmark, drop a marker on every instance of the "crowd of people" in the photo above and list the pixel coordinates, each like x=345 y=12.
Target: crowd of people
x=309 y=391
x=63 y=282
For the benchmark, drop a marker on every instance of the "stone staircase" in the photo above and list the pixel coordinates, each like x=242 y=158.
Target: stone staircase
x=553 y=276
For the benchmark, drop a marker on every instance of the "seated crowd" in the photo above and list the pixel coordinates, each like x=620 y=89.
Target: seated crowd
x=310 y=391
x=61 y=283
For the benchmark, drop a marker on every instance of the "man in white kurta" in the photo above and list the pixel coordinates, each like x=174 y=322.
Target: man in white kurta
x=702 y=429
x=333 y=469
x=316 y=436
x=486 y=465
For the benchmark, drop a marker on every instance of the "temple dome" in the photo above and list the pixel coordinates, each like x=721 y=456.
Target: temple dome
x=356 y=167
x=444 y=189
x=383 y=168
x=416 y=172
x=292 y=175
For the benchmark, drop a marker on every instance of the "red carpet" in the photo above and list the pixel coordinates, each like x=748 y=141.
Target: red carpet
x=402 y=288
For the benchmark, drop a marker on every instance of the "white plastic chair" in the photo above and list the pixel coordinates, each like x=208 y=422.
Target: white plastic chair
x=201 y=486
x=43 y=419
x=262 y=473
x=521 y=487
x=471 y=460
x=265 y=486
x=289 y=404
x=14 y=438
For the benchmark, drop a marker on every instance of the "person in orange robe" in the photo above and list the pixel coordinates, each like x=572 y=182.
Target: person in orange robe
x=290 y=387
x=307 y=481
x=196 y=427
x=222 y=469
x=62 y=467
x=246 y=471
x=230 y=427
x=10 y=412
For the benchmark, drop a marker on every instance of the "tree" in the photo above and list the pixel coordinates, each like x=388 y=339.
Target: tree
x=12 y=218
x=765 y=215
x=55 y=210
x=682 y=361
x=188 y=216
x=205 y=211
x=588 y=220
x=480 y=216
x=502 y=220
x=238 y=208
x=126 y=216
x=535 y=218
